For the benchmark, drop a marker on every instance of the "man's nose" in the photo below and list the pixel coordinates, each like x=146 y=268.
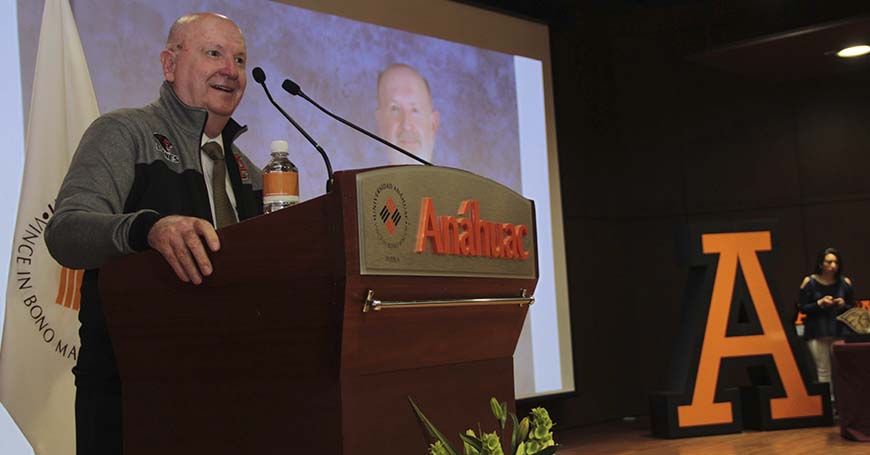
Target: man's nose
x=406 y=120
x=230 y=69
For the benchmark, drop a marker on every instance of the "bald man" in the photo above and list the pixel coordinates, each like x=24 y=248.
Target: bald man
x=405 y=114
x=164 y=177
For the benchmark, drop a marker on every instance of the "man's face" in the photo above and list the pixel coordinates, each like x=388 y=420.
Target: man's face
x=208 y=71
x=404 y=115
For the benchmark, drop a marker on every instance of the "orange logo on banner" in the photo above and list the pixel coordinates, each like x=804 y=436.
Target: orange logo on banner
x=68 y=291
x=734 y=248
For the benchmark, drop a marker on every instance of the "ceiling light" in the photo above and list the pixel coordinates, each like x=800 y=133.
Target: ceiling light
x=854 y=51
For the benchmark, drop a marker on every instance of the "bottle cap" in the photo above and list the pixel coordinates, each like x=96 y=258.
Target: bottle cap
x=279 y=146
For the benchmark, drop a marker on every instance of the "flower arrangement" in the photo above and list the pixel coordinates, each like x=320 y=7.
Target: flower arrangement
x=530 y=436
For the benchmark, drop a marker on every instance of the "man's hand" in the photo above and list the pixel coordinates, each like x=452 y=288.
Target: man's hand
x=179 y=240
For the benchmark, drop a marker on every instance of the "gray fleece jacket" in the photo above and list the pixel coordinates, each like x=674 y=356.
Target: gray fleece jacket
x=134 y=166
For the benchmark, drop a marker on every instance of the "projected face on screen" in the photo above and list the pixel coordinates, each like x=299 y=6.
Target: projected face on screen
x=405 y=114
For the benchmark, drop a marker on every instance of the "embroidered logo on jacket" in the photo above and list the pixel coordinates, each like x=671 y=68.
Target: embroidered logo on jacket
x=243 y=170
x=163 y=145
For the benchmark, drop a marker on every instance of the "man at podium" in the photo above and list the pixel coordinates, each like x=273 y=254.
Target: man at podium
x=163 y=176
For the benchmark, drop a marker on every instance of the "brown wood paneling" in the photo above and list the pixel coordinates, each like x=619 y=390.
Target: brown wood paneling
x=842 y=225
x=625 y=303
x=833 y=141
x=739 y=151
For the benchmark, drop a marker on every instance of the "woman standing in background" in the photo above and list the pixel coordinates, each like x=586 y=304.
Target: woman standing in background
x=824 y=295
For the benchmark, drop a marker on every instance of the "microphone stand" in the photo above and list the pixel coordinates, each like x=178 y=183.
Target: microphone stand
x=260 y=78
x=294 y=89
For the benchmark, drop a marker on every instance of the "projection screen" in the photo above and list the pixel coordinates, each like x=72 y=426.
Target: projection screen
x=488 y=77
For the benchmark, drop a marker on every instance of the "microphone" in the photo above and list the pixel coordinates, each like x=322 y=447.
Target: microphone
x=260 y=78
x=294 y=89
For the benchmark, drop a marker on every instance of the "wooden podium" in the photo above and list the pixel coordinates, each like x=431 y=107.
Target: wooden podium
x=274 y=352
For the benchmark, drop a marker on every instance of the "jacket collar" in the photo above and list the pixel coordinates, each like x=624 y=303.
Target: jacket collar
x=192 y=119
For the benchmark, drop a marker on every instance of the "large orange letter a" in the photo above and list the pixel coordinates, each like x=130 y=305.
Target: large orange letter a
x=704 y=407
x=733 y=248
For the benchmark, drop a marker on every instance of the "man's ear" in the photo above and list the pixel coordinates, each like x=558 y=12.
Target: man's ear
x=167 y=60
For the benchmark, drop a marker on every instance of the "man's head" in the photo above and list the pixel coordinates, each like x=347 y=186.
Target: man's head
x=204 y=61
x=405 y=114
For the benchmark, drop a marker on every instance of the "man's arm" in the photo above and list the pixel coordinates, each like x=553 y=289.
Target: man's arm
x=89 y=225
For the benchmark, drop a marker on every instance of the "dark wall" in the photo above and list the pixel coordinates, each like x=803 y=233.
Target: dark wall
x=650 y=142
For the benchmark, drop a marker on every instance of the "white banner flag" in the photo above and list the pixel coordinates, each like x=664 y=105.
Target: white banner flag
x=40 y=337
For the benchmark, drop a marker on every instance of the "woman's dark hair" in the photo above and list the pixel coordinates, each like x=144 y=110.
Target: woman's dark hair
x=821 y=259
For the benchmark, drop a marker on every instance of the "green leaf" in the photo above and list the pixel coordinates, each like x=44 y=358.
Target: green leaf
x=432 y=430
x=503 y=415
x=496 y=408
x=515 y=435
x=524 y=429
x=491 y=444
x=477 y=444
x=437 y=449
x=547 y=451
x=469 y=449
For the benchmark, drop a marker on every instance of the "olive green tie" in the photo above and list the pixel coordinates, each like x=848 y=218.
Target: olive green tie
x=223 y=210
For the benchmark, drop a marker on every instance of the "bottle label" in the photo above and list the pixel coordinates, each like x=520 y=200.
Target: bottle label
x=281 y=199
x=281 y=184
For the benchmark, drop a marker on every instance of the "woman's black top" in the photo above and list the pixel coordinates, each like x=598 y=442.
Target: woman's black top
x=822 y=322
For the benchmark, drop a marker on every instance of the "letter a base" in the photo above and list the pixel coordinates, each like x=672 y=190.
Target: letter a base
x=750 y=409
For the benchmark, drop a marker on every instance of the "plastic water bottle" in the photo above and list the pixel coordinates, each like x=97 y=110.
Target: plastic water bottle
x=280 y=180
